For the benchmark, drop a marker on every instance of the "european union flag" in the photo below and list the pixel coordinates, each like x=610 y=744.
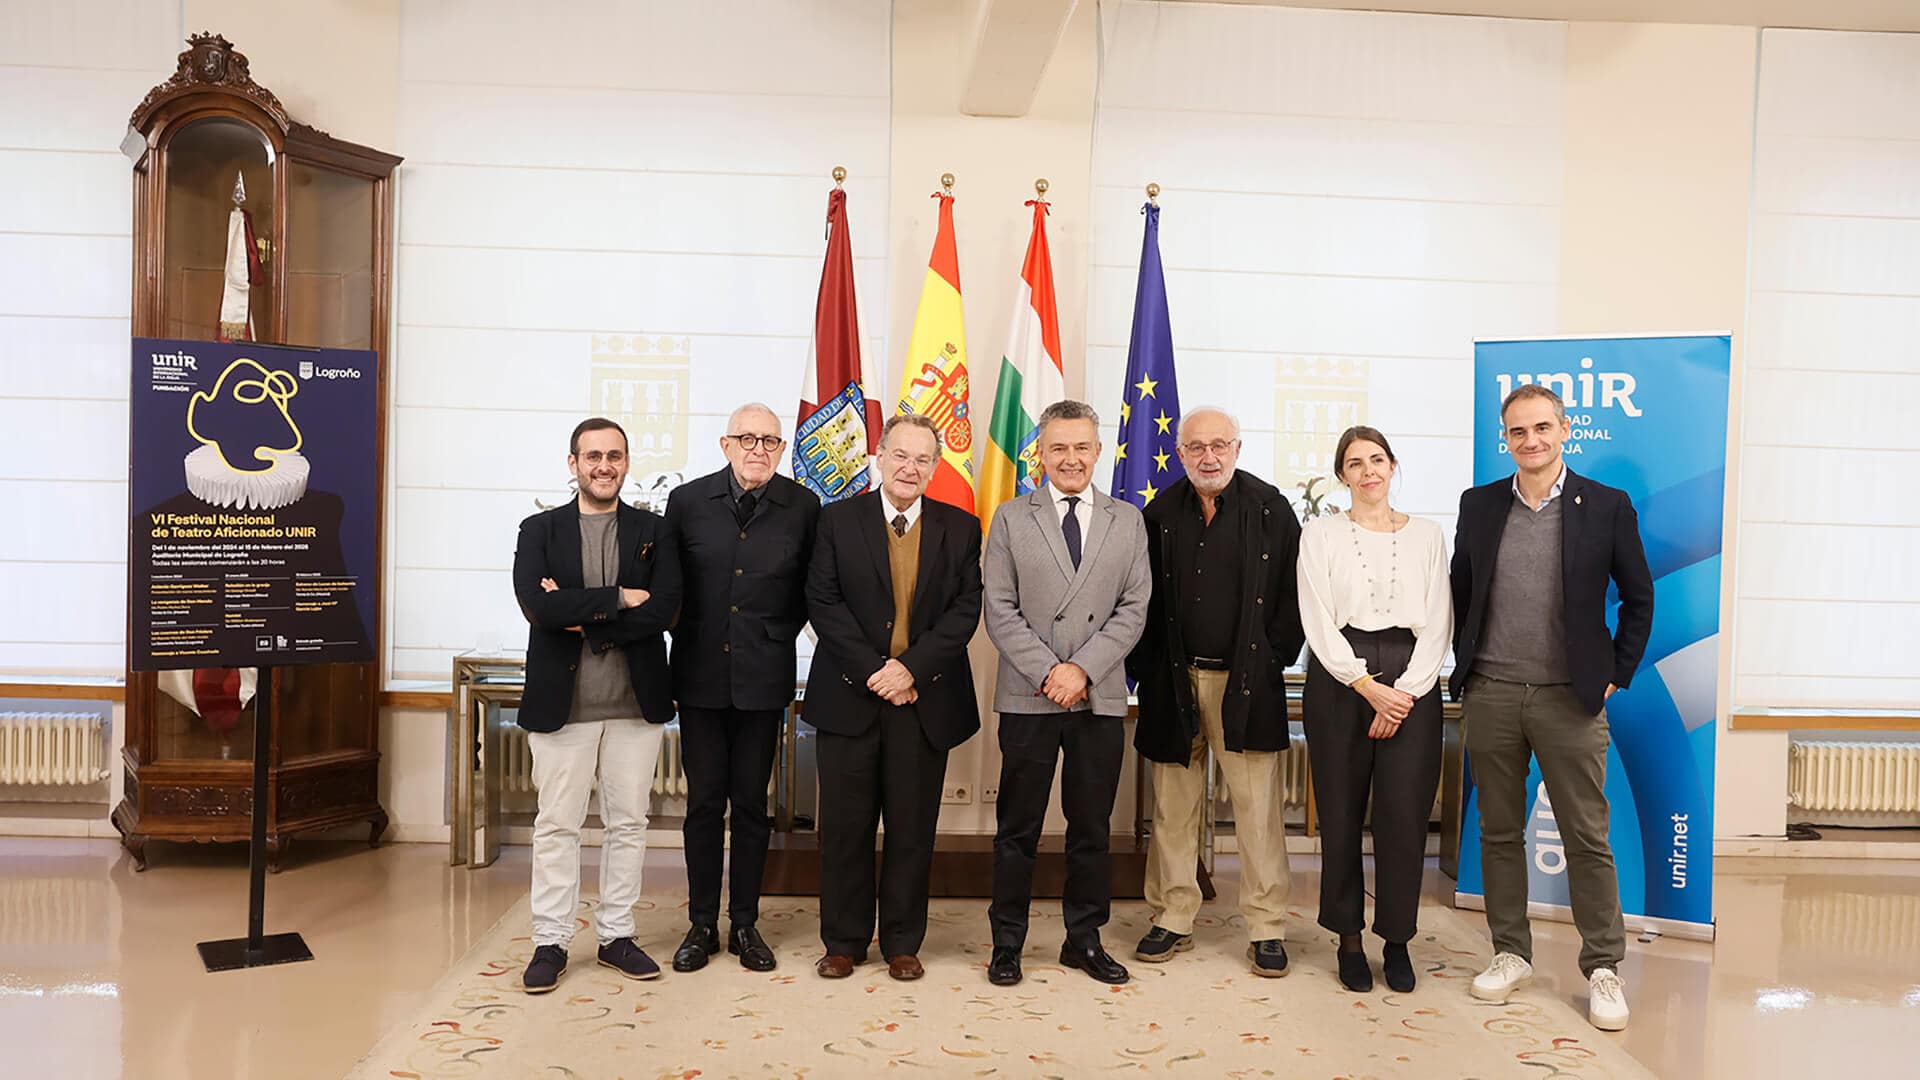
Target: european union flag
x=1144 y=459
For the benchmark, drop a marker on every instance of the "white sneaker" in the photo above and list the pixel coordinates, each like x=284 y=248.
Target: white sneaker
x=1607 y=1000
x=1506 y=974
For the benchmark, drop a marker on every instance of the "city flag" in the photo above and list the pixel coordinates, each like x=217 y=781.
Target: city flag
x=1144 y=459
x=833 y=437
x=1030 y=378
x=934 y=384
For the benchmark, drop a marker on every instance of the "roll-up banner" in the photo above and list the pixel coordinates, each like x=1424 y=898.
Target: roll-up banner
x=1649 y=417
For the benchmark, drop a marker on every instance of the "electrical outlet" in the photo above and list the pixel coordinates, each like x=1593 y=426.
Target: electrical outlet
x=956 y=793
x=990 y=793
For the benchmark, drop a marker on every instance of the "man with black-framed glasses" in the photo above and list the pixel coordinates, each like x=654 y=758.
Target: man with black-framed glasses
x=744 y=535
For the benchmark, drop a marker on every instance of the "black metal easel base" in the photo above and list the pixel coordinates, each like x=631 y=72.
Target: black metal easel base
x=274 y=949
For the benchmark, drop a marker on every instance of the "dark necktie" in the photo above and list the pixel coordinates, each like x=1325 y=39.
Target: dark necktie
x=899 y=524
x=1070 y=525
x=743 y=510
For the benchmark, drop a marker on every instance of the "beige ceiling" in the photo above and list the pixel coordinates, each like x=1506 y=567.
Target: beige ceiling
x=1822 y=14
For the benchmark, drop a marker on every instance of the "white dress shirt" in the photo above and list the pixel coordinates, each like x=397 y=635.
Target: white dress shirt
x=1083 y=513
x=887 y=508
x=1409 y=588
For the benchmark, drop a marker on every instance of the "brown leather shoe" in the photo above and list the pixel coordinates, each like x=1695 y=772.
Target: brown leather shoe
x=905 y=967
x=834 y=966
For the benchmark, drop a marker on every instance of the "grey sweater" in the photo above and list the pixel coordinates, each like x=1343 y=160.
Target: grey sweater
x=1525 y=639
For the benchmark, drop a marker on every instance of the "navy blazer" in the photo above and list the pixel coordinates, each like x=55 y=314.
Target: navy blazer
x=850 y=599
x=1599 y=542
x=549 y=547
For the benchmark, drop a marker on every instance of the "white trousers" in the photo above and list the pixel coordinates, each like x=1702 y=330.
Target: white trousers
x=621 y=753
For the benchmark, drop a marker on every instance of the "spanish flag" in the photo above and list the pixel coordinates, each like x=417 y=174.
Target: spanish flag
x=934 y=383
x=1030 y=379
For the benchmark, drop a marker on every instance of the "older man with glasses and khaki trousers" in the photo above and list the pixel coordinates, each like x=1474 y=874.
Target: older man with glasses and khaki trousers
x=1222 y=627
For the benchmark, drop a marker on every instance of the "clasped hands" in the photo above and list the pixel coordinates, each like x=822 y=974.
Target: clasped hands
x=894 y=683
x=1065 y=684
x=1390 y=707
x=629 y=598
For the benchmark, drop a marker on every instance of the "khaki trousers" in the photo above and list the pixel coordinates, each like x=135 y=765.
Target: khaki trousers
x=1173 y=857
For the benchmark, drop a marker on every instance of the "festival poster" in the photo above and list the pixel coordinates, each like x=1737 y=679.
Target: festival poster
x=252 y=491
x=1649 y=416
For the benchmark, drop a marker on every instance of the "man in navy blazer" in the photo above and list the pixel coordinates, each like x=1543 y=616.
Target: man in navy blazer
x=1534 y=665
x=598 y=585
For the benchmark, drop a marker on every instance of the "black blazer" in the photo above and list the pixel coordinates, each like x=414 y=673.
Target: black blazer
x=1599 y=541
x=850 y=598
x=746 y=592
x=1267 y=634
x=549 y=547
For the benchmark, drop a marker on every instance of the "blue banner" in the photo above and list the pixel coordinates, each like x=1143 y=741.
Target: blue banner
x=1649 y=417
x=252 y=491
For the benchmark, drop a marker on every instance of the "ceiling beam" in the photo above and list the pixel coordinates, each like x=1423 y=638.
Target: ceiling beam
x=1010 y=45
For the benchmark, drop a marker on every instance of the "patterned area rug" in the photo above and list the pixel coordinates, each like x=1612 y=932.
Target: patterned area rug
x=1202 y=1015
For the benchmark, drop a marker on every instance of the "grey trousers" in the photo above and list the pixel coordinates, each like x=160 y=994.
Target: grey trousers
x=1506 y=725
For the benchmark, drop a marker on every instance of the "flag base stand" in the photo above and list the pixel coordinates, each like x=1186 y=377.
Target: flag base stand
x=245 y=953
x=257 y=949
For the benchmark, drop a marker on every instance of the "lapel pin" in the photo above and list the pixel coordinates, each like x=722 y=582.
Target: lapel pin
x=1576 y=500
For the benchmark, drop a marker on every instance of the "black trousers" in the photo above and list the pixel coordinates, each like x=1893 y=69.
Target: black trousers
x=1401 y=773
x=1030 y=745
x=728 y=755
x=891 y=771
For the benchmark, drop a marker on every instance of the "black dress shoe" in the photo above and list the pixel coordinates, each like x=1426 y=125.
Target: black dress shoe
x=543 y=971
x=1093 y=960
x=700 y=943
x=1355 y=975
x=1399 y=968
x=1004 y=968
x=745 y=942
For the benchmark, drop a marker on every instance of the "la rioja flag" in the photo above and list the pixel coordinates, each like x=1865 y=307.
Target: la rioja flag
x=1030 y=378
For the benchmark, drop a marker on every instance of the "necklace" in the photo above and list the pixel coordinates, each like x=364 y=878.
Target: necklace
x=1381 y=601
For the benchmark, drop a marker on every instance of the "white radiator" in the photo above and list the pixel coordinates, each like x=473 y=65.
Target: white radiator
x=53 y=749
x=669 y=776
x=1855 y=777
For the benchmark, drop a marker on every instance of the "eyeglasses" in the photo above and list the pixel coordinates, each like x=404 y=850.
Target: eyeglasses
x=595 y=458
x=1217 y=447
x=773 y=443
x=901 y=457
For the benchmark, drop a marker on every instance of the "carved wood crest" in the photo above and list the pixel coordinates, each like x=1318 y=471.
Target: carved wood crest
x=211 y=63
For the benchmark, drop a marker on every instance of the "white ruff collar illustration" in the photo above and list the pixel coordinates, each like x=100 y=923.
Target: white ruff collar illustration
x=211 y=481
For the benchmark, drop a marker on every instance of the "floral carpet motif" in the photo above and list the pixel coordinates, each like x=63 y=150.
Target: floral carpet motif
x=1201 y=1015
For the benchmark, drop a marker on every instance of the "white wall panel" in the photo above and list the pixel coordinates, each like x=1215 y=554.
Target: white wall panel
x=1828 y=604
x=580 y=180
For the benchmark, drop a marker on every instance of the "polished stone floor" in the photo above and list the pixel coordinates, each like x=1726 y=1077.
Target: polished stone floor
x=1817 y=966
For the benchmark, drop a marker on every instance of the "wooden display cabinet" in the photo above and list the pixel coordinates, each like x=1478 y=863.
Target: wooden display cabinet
x=322 y=214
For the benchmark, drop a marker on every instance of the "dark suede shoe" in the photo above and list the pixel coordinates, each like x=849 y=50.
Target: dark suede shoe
x=1159 y=945
x=1093 y=960
x=1004 y=968
x=745 y=942
x=700 y=943
x=543 y=971
x=1269 y=958
x=629 y=959
x=1398 y=967
x=1355 y=975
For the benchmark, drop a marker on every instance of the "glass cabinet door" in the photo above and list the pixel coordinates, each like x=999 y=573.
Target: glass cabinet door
x=203 y=159
x=330 y=257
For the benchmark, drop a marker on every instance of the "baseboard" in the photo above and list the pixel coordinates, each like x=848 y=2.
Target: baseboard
x=1765 y=847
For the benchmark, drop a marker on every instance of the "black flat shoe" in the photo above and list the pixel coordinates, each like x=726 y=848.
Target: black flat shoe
x=1093 y=960
x=1354 y=973
x=1004 y=968
x=700 y=943
x=1398 y=967
x=745 y=942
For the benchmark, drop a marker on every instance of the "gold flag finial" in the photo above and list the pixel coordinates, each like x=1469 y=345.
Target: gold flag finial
x=1153 y=194
x=946 y=183
x=1040 y=187
x=839 y=175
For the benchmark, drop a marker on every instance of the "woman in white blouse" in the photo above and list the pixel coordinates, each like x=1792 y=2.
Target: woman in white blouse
x=1378 y=613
